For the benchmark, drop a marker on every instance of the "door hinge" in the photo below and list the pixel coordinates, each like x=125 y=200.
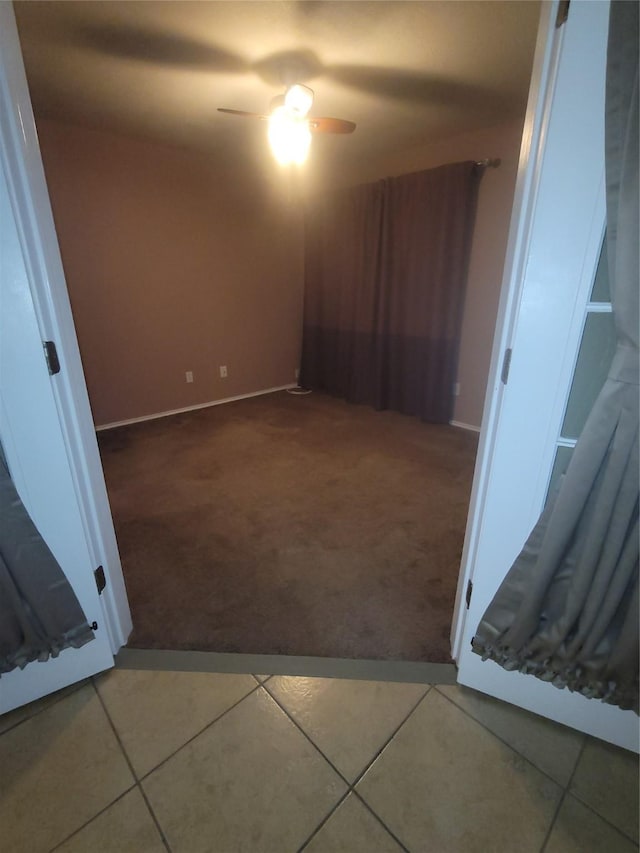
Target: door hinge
x=51 y=357
x=563 y=13
x=469 y=593
x=101 y=580
x=506 y=364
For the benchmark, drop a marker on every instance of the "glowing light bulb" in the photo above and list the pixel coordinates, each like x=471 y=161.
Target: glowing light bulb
x=289 y=136
x=298 y=99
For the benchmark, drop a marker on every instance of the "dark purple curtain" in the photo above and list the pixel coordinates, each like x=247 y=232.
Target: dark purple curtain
x=343 y=234
x=385 y=276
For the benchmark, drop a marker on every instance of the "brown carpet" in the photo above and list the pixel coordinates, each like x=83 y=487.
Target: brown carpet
x=291 y=525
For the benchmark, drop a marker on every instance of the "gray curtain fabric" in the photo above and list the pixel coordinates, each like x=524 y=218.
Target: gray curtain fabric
x=385 y=276
x=567 y=611
x=39 y=612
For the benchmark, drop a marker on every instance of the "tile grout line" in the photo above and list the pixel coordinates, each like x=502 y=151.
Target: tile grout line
x=307 y=737
x=565 y=791
x=112 y=802
x=357 y=781
x=204 y=729
x=154 y=817
x=553 y=821
x=326 y=758
x=138 y=780
x=428 y=688
x=348 y=793
x=503 y=741
x=69 y=690
x=565 y=788
x=92 y=818
x=377 y=755
x=602 y=817
x=133 y=772
x=589 y=807
x=380 y=821
x=351 y=785
x=324 y=820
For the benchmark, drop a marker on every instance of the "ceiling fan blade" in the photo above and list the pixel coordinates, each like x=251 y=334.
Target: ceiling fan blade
x=153 y=46
x=242 y=113
x=331 y=125
x=407 y=86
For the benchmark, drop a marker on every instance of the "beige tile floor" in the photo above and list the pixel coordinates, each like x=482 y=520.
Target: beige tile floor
x=142 y=761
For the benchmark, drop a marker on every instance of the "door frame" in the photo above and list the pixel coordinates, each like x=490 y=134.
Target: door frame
x=19 y=149
x=29 y=197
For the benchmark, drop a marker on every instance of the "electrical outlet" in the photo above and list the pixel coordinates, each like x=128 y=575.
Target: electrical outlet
x=223 y=371
x=456 y=389
x=189 y=376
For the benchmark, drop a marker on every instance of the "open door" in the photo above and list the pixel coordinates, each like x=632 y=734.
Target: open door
x=34 y=447
x=555 y=240
x=45 y=421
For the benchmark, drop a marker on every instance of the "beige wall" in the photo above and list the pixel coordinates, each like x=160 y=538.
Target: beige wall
x=488 y=248
x=170 y=269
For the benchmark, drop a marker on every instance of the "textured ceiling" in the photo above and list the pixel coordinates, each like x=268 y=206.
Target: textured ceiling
x=405 y=72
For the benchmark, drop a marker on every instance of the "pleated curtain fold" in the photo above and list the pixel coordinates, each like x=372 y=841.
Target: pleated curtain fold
x=567 y=610
x=39 y=612
x=385 y=277
x=342 y=235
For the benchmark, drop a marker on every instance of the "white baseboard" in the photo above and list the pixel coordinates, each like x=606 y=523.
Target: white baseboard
x=193 y=408
x=460 y=425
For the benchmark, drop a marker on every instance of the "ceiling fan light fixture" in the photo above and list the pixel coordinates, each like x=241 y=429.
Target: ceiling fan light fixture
x=298 y=99
x=289 y=136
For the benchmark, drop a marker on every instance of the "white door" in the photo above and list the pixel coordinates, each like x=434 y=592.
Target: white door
x=33 y=443
x=45 y=422
x=556 y=234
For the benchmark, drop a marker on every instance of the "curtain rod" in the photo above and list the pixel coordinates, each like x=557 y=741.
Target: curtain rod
x=489 y=163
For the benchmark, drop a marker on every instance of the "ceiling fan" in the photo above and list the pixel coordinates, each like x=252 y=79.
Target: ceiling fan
x=291 y=126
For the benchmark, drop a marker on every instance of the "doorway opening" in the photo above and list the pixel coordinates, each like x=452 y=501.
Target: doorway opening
x=291 y=525
x=120 y=201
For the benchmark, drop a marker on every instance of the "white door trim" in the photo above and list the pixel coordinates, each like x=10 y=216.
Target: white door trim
x=20 y=153
x=543 y=78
